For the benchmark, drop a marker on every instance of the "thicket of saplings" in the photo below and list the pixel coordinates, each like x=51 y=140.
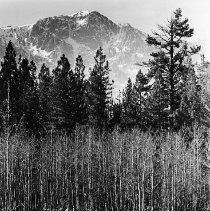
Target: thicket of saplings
x=112 y=171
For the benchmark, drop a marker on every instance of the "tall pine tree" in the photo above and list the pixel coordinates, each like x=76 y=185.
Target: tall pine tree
x=99 y=91
x=29 y=100
x=10 y=87
x=45 y=106
x=79 y=93
x=140 y=90
x=62 y=99
x=128 y=119
x=171 y=52
x=157 y=105
x=193 y=110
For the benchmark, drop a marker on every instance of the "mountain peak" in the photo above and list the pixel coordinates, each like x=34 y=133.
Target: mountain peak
x=84 y=14
x=80 y=14
x=80 y=34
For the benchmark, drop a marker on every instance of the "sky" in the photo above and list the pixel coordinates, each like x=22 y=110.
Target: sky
x=142 y=14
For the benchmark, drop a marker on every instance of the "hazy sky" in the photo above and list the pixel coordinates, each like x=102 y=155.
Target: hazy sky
x=142 y=14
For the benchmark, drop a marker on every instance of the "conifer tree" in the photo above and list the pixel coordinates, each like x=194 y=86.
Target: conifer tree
x=128 y=119
x=140 y=90
x=1 y=105
x=44 y=89
x=116 y=113
x=204 y=81
x=99 y=91
x=192 y=108
x=10 y=86
x=68 y=95
x=62 y=99
x=157 y=110
x=79 y=88
x=171 y=52
x=29 y=100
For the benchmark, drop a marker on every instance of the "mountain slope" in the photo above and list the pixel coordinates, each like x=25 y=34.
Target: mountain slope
x=80 y=34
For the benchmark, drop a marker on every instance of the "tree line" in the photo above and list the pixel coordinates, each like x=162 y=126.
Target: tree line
x=169 y=96
x=60 y=100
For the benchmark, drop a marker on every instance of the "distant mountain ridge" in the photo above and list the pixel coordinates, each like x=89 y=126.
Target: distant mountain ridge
x=80 y=34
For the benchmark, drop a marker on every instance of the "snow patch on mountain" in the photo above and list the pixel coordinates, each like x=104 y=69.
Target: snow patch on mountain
x=80 y=14
x=139 y=55
x=39 y=51
x=15 y=35
x=28 y=26
x=121 y=65
x=82 y=22
x=125 y=49
x=6 y=27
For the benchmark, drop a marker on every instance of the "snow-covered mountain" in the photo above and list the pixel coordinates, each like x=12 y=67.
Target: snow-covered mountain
x=80 y=34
